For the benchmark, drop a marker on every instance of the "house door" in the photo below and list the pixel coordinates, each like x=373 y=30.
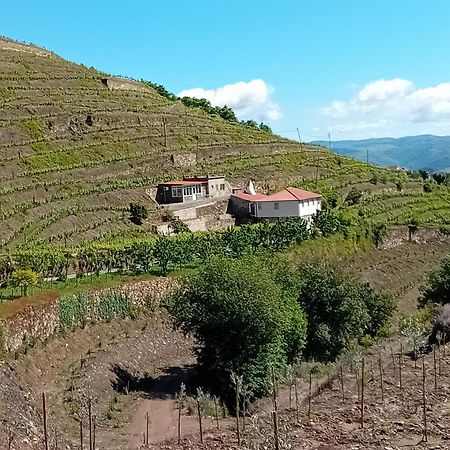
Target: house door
x=252 y=210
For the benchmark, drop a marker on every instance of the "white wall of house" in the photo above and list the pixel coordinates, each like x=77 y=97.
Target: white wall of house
x=308 y=208
x=292 y=208
x=277 y=209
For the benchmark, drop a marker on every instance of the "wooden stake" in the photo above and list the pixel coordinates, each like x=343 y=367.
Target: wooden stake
x=238 y=431
x=435 y=367
x=179 y=424
x=93 y=434
x=400 y=371
x=393 y=359
x=199 y=410
x=44 y=412
x=296 y=401
x=310 y=395
x=81 y=434
x=216 y=412
x=146 y=427
x=275 y=429
x=424 y=401
x=341 y=370
x=380 y=366
x=90 y=424
x=362 y=392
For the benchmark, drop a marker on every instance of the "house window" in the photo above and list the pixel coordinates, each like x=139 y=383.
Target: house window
x=222 y=187
x=177 y=191
x=276 y=205
x=259 y=205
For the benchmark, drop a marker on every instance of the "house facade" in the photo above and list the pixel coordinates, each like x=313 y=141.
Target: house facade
x=190 y=189
x=290 y=202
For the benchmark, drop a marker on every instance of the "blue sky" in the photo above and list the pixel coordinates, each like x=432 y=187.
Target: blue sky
x=355 y=68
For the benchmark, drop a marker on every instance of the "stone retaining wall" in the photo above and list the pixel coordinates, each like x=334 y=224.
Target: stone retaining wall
x=36 y=323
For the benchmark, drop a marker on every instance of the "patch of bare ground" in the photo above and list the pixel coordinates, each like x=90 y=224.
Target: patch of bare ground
x=117 y=365
x=401 y=266
x=393 y=416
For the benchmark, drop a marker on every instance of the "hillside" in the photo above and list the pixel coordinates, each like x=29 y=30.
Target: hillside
x=77 y=146
x=413 y=152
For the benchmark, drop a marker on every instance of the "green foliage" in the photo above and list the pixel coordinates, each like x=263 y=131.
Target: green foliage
x=83 y=308
x=23 y=279
x=428 y=186
x=379 y=231
x=178 y=226
x=437 y=289
x=244 y=318
x=353 y=197
x=326 y=222
x=224 y=112
x=265 y=127
x=338 y=310
x=34 y=127
x=138 y=213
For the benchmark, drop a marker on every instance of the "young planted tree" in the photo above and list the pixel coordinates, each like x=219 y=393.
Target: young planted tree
x=23 y=279
x=437 y=289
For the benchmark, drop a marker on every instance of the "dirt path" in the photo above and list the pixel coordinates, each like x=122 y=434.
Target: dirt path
x=162 y=410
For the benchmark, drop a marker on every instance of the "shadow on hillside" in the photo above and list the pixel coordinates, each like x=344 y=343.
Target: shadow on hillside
x=163 y=387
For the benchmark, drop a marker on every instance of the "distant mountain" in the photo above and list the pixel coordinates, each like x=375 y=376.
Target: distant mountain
x=412 y=152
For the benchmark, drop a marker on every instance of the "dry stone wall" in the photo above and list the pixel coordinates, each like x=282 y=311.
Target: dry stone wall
x=37 y=323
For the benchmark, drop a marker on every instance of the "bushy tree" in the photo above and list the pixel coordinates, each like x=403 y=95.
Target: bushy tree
x=437 y=289
x=327 y=222
x=23 y=279
x=244 y=318
x=138 y=213
x=339 y=310
x=265 y=127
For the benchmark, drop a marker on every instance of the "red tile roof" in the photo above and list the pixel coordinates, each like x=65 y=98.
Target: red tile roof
x=184 y=182
x=286 y=195
x=249 y=197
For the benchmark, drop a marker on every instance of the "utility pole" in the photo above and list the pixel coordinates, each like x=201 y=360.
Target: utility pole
x=300 y=140
x=329 y=140
x=367 y=157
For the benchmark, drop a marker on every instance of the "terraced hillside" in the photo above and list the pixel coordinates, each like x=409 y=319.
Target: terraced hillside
x=76 y=146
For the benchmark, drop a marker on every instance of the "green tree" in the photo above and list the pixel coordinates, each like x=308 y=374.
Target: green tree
x=244 y=318
x=339 y=310
x=379 y=231
x=163 y=253
x=23 y=279
x=138 y=213
x=437 y=289
x=264 y=127
x=326 y=222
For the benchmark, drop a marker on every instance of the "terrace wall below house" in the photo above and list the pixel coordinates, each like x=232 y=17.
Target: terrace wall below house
x=38 y=322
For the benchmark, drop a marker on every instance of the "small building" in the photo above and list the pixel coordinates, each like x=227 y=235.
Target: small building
x=190 y=189
x=290 y=202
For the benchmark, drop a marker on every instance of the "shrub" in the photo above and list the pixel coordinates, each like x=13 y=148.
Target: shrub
x=353 y=197
x=339 y=310
x=138 y=213
x=379 y=231
x=244 y=318
x=437 y=289
x=178 y=226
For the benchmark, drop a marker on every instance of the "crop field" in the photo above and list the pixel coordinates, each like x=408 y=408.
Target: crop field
x=75 y=151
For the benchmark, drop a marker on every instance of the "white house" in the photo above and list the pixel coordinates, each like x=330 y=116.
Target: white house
x=290 y=202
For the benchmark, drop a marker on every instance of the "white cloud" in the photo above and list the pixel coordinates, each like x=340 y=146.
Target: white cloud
x=393 y=107
x=250 y=100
